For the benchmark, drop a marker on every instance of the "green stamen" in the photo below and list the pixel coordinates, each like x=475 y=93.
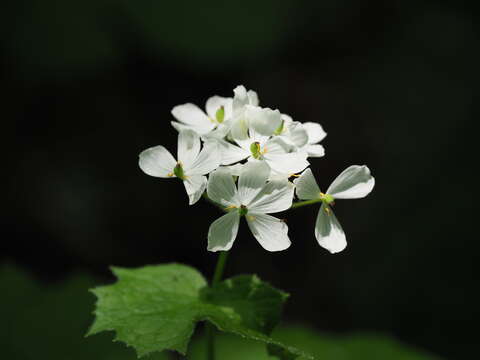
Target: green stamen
x=243 y=210
x=178 y=171
x=327 y=198
x=255 y=149
x=220 y=114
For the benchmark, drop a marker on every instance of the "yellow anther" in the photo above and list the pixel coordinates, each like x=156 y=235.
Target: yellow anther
x=327 y=210
x=230 y=207
x=170 y=174
x=250 y=218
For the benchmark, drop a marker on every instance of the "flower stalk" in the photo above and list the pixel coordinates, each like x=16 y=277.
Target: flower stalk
x=209 y=328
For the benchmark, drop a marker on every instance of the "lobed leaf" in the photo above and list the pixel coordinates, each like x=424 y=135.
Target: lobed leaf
x=156 y=308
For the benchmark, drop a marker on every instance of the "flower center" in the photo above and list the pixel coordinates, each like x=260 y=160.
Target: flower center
x=243 y=210
x=255 y=150
x=220 y=114
x=178 y=171
x=327 y=198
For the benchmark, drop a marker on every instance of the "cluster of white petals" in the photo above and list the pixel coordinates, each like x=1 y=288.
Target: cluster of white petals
x=249 y=153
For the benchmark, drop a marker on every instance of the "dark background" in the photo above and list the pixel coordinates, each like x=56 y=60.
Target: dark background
x=89 y=84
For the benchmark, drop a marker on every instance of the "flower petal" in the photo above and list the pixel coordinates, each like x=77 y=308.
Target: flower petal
x=236 y=169
x=207 y=161
x=328 y=231
x=306 y=186
x=239 y=127
x=221 y=187
x=315 y=132
x=195 y=186
x=157 y=161
x=353 y=183
x=240 y=97
x=275 y=196
x=298 y=134
x=231 y=153
x=270 y=232
x=315 y=150
x=188 y=147
x=290 y=163
x=263 y=120
x=252 y=178
x=252 y=98
x=191 y=114
x=277 y=145
x=215 y=102
x=223 y=231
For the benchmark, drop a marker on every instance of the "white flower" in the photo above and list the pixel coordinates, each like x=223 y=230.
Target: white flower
x=211 y=123
x=353 y=183
x=254 y=199
x=281 y=157
x=248 y=115
x=292 y=132
x=191 y=166
x=304 y=136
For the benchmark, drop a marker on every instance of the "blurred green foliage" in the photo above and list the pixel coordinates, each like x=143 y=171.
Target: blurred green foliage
x=49 y=322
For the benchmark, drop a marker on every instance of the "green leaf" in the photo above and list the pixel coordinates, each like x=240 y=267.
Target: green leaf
x=156 y=308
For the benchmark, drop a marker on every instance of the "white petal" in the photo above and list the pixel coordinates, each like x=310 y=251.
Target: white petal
x=223 y=231
x=275 y=196
x=315 y=150
x=188 y=147
x=235 y=169
x=298 y=134
x=306 y=186
x=290 y=163
x=215 y=102
x=231 y=153
x=252 y=98
x=208 y=160
x=253 y=177
x=355 y=182
x=263 y=120
x=191 y=114
x=252 y=137
x=315 y=132
x=277 y=145
x=239 y=127
x=240 y=97
x=195 y=186
x=221 y=187
x=157 y=161
x=328 y=231
x=200 y=129
x=270 y=232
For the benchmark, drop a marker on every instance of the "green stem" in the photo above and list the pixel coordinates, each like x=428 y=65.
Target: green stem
x=222 y=259
x=305 y=203
x=210 y=330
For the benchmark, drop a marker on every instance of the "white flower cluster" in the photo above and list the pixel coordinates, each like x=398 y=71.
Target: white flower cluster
x=260 y=149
